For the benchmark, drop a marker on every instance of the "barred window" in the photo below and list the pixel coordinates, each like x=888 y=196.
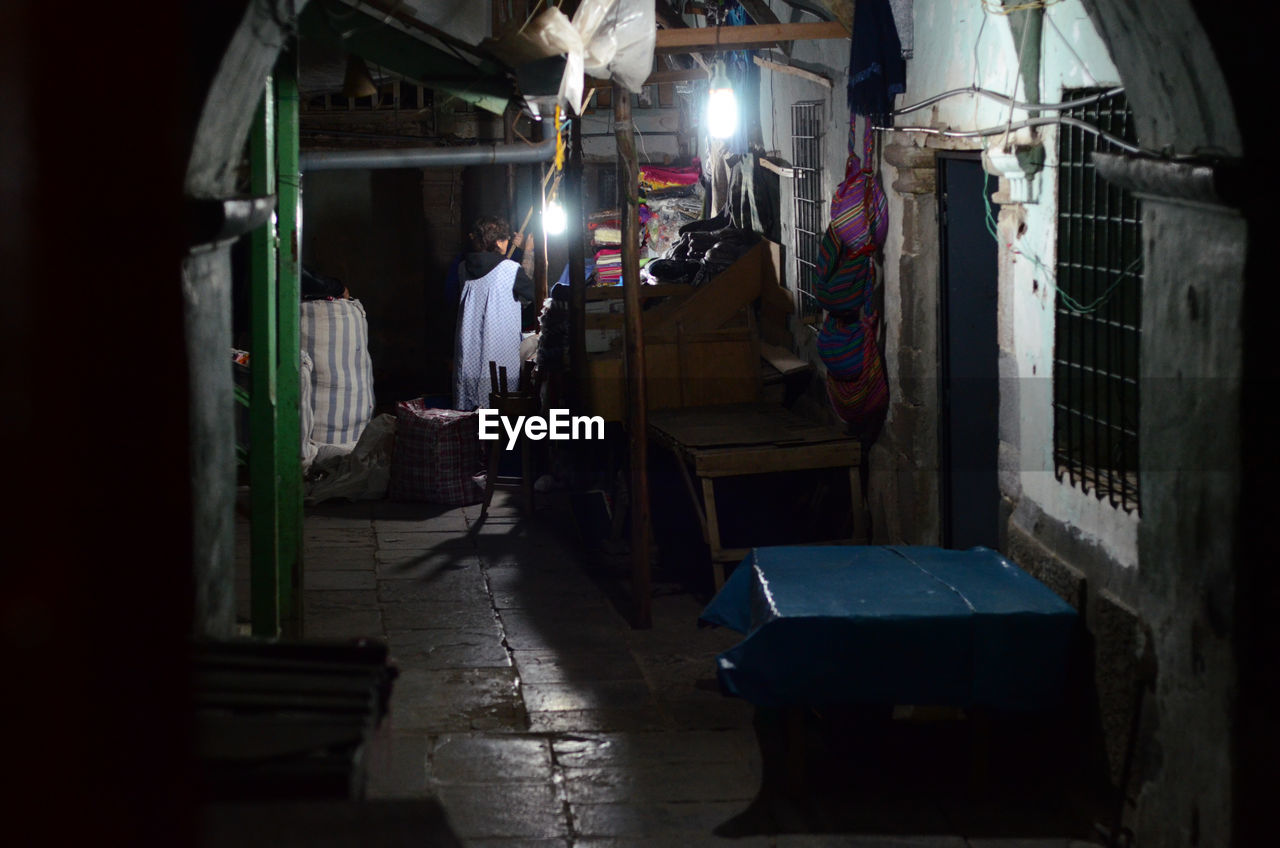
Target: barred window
x=810 y=217
x=1097 y=327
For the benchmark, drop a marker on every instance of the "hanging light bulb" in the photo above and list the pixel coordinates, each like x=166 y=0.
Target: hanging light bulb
x=722 y=105
x=554 y=219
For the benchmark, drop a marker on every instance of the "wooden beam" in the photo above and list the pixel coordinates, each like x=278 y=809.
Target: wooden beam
x=744 y=37
x=660 y=77
x=793 y=71
x=780 y=170
x=637 y=423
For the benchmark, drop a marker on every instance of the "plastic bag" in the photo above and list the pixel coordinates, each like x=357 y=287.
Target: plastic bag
x=606 y=38
x=361 y=474
x=619 y=40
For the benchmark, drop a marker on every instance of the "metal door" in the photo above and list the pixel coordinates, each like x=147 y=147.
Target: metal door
x=969 y=390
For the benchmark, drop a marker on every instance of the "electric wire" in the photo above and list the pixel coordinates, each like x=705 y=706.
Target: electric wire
x=1009 y=101
x=996 y=8
x=1071 y=304
x=1030 y=122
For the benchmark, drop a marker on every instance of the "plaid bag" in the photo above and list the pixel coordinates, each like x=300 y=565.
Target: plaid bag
x=437 y=455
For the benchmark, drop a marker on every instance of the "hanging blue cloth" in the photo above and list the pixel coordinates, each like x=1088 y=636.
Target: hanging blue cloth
x=877 y=70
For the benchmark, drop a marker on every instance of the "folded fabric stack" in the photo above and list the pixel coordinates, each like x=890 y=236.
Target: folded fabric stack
x=654 y=178
x=606 y=235
x=609 y=266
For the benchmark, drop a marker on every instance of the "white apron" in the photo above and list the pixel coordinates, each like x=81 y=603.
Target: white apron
x=488 y=330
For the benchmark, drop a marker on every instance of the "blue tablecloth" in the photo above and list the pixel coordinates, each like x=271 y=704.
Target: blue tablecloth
x=892 y=625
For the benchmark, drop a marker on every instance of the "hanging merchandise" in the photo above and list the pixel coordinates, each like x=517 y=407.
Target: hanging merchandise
x=862 y=400
x=843 y=276
x=856 y=382
x=859 y=208
x=840 y=344
x=877 y=70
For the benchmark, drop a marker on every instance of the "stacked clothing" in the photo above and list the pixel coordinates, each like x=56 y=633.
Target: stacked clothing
x=655 y=178
x=673 y=198
x=609 y=266
x=712 y=245
x=606 y=235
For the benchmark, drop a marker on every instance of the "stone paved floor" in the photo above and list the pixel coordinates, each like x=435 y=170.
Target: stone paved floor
x=530 y=709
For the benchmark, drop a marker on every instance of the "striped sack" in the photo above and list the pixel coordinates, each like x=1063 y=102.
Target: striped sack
x=437 y=455
x=859 y=209
x=862 y=400
x=335 y=334
x=840 y=345
x=843 y=278
x=307 y=410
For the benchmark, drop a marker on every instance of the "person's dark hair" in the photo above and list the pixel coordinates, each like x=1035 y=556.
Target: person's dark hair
x=488 y=231
x=315 y=285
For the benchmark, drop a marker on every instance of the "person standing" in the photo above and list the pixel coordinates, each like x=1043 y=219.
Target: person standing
x=496 y=292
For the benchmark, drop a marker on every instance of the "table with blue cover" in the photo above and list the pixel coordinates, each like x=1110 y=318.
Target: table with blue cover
x=892 y=625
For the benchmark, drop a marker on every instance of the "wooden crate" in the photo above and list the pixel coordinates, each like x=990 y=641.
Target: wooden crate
x=702 y=346
x=708 y=368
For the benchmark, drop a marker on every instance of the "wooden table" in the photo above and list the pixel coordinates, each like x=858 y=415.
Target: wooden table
x=737 y=440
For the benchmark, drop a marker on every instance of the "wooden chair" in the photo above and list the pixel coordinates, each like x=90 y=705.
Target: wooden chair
x=510 y=404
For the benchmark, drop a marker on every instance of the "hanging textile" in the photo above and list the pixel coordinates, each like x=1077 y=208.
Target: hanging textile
x=859 y=208
x=877 y=70
x=842 y=275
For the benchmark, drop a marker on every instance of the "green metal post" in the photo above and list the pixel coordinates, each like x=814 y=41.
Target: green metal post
x=263 y=467
x=288 y=419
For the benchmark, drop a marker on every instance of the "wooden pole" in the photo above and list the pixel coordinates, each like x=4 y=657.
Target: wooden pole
x=577 y=266
x=629 y=186
x=539 y=227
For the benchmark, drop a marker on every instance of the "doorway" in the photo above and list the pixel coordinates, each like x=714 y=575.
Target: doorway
x=969 y=394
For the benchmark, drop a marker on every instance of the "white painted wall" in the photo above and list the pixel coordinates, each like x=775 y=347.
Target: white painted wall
x=959 y=44
x=778 y=92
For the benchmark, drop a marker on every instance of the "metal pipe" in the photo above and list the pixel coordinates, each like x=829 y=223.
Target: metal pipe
x=1009 y=101
x=1017 y=125
x=429 y=157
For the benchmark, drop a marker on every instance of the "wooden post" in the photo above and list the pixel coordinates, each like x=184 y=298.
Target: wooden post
x=577 y=267
x=629 y=188
x=539 y=227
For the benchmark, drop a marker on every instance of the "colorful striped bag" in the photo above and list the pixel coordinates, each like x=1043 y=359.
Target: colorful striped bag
x=862 y=401
x=840 y=345
x=843 y=277
x=859 y=208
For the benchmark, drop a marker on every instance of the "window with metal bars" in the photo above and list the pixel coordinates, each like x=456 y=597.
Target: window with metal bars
x=1097 y=326
x=810 y=215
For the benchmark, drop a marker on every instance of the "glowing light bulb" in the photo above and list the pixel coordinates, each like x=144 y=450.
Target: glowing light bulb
x=722 y=106
x=554 y=219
